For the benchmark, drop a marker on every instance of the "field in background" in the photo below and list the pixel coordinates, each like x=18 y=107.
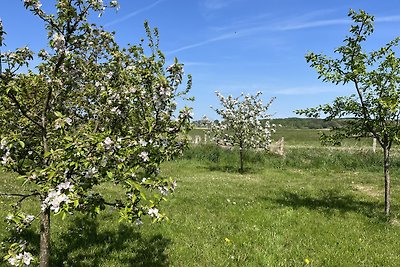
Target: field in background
x=316 y=206
x=296 y=137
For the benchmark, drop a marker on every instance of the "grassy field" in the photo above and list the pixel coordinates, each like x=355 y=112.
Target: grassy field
x=314 y=207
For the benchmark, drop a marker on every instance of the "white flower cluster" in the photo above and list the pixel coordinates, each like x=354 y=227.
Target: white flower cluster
x=108 y=143
x=21 y=259
x=114 y=4
x=153 y=212
x=58 y=42
x=58 y=196
x=34 y=3
x=144 y=156
x=91 y=172
x=60 y=123
x=17 y=256
x=6 y=158
x=163 y=190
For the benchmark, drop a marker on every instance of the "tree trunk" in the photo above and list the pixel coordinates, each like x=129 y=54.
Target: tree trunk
x=241 y=159
x=45 y=238
x=386 y=167
x=374 y=145
x=44 y=253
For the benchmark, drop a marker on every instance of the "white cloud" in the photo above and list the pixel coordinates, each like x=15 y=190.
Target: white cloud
x=311 y=24
x=264 y=23
x=316 y=23
x=134 y=13
x=308 y=90
x=388 y=19
x=202 y=43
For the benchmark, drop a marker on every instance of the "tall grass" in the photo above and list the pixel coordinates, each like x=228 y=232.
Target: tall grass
x=322 y=158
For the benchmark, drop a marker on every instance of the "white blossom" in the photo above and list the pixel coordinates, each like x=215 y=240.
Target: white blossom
x=109 y=75
x=173 y=185
x=65 y=186
x=163 y=190
x=116 y=110
x=14 y=261
x=144 y=155
x=108 y=142
x=3 y=143
x=114 y=4
x=142 y=142
x=5 y=159
x=29 y=218
x=57 y=125
x=37 y=5
x=43 y=53
x=68 y=121
x=153 y=212
x=20 y=259
x=90 y=172
x=27 y=258
x=58 y=41
x=54 y=200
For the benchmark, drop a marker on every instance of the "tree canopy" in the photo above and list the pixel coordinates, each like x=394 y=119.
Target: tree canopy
x=375 y=76
x=91 y=113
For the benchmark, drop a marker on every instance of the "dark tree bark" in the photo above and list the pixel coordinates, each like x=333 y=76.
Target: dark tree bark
x=241 y=170
x=44 y=238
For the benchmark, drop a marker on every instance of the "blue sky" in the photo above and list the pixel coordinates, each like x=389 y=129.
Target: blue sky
x=234 y=46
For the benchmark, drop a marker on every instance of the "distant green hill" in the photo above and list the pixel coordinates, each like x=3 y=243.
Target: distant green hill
x=307 y=123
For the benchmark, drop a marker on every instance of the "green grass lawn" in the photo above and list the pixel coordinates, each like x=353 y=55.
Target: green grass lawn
x=312 y=208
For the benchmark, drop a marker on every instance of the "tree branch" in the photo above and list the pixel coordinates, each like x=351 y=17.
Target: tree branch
x=22 y=196
x=22 y=110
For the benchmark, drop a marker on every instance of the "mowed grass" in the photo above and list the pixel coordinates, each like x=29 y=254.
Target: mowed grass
x=313 y=207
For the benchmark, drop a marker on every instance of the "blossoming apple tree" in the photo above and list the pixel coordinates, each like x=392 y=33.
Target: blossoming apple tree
x=245 y=123
x=91 y=113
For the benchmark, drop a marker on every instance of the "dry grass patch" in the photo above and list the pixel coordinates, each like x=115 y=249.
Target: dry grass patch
x=368 y=190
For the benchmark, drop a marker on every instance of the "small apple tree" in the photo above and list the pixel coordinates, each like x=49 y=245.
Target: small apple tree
x=375 y=106
x=244 y=123
x=92 y=113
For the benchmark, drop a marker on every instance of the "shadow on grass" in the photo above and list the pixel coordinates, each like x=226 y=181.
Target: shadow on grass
x=232 y=168
x=84 y=245
x=225 y=168
x=331 y=202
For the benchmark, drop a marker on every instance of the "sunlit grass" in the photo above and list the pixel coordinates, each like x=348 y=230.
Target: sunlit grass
x=301 y=210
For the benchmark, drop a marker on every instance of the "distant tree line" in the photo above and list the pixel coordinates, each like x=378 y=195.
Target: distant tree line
x=294 y=123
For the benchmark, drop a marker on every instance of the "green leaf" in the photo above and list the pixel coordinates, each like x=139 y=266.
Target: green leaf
x=58 y=114
x=22 y=144
x=68 y=138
